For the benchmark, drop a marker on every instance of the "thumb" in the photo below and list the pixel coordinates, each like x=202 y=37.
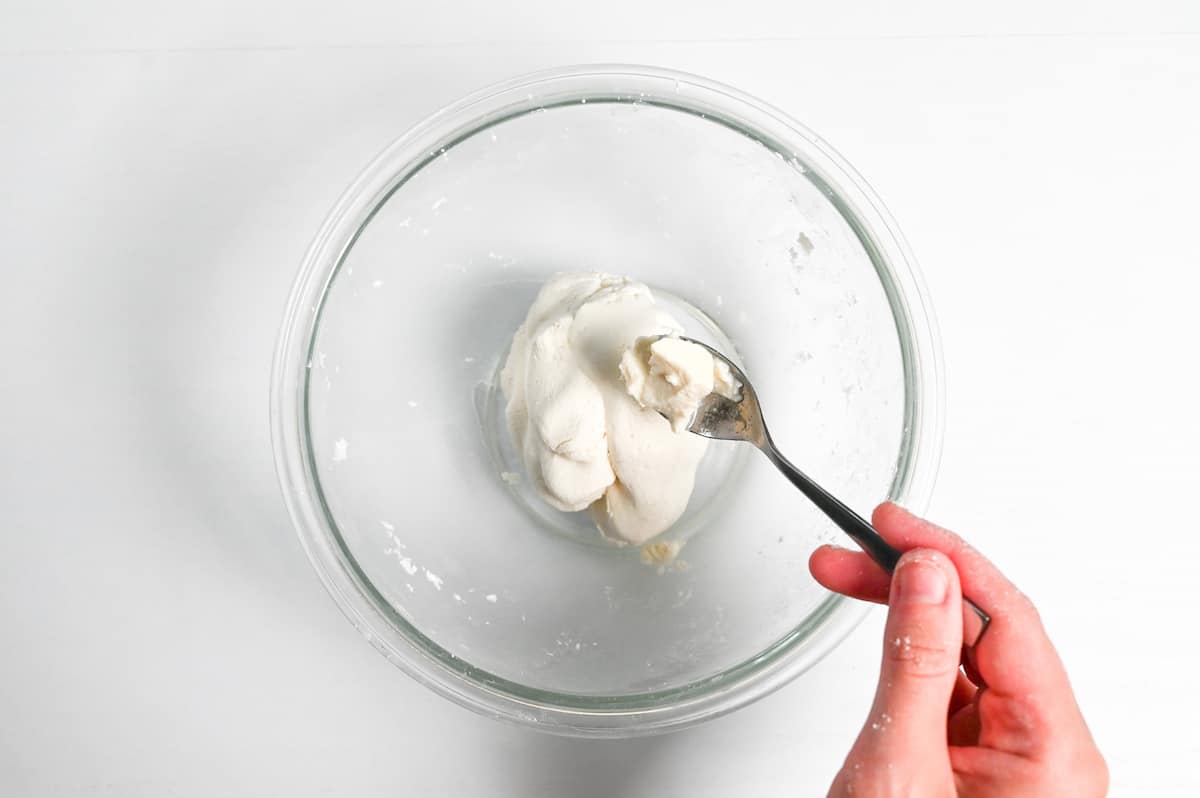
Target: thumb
x=921 y=651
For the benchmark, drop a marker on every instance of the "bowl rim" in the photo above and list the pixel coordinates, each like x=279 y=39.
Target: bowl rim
x=449 y=675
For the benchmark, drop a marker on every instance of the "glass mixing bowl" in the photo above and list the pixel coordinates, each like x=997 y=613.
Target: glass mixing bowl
x=388 y=421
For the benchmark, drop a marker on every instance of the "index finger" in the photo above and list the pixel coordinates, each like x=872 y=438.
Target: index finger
x=1014 y=657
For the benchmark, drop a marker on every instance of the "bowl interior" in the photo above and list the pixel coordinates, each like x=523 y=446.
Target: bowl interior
x=402 y=414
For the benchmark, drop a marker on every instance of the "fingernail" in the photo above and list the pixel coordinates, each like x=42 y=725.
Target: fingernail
x=921 y=582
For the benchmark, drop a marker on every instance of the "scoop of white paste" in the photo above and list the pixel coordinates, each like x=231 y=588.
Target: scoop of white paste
x=672 y=376
x=585 y=441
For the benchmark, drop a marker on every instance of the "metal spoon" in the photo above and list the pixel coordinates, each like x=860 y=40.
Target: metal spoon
x=741 y=420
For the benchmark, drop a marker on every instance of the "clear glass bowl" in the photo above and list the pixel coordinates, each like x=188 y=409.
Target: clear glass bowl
x=395 y=463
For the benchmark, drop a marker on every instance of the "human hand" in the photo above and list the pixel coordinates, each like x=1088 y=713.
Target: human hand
x=933 y=730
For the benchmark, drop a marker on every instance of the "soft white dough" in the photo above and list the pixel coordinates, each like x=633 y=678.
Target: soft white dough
x=585 y=441
x=672 y=376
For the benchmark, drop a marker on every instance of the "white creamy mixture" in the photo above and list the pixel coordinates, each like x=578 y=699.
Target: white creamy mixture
x=672 y=376
x=585 y=441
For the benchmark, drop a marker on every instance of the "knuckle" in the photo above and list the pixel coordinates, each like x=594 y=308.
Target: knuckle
x=1016 y=607
x=1103 y=780
x=1097 y=770
x=919 y=658
x=1087 y=761
x=1022 y=720
x=1026 y=605
x=1084 y=777
x=874 y=780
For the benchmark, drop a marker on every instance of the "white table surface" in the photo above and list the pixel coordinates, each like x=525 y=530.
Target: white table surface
x=162 y=171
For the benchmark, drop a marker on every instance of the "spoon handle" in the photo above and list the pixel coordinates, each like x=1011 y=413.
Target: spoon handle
x=975 y=620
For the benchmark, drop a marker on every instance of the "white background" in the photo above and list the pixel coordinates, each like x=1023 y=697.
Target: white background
x=162 y=171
